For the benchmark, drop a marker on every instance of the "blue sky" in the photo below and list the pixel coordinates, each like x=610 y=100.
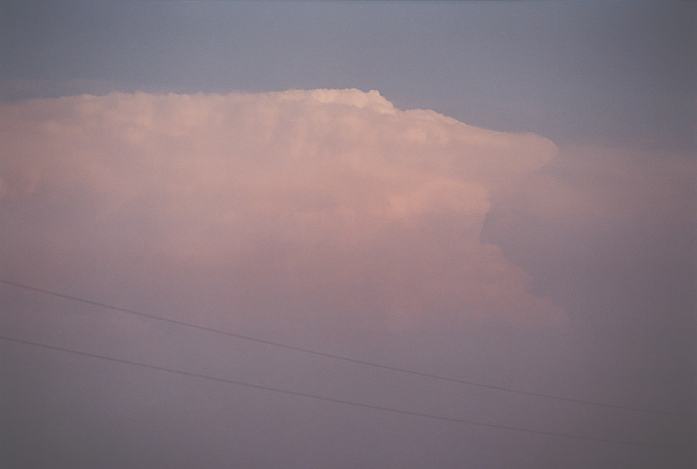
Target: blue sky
x=587 y=72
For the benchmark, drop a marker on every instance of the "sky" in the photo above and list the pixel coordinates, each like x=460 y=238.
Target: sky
x=493 y=192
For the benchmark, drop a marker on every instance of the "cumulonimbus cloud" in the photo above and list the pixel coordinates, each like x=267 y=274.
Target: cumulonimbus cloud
x=309 y=197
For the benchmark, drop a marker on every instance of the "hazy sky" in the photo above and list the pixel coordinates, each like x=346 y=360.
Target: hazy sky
x=496 y=192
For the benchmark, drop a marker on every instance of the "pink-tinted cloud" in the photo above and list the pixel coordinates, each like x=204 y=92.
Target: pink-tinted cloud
x=314 y=199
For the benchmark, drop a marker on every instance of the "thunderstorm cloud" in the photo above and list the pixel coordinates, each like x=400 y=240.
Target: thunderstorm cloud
x=322 y=201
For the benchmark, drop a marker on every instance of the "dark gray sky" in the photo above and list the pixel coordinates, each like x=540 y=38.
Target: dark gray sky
x=332 y=221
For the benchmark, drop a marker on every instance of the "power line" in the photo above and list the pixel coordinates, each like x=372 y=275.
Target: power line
x=334 y=356
x=393 y=410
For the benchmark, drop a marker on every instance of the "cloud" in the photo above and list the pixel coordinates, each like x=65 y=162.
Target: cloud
x=609 y=234
x=322 y=199
x=329 y=219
